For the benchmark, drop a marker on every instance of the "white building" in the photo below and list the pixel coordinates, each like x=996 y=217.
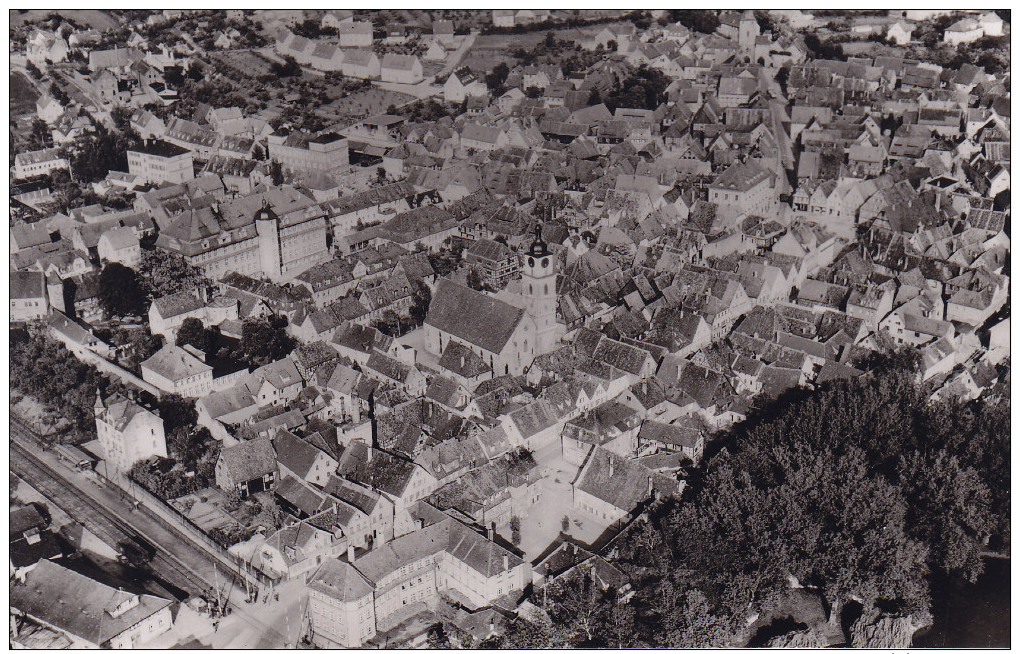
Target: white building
x=350 y=601
x=401 y=69
x=29 y=299
x=120 y=244
x=90 y=614
x=127 y=433
x=38 y=162
x=157 y=161
x=175 y=370
x=324 y=153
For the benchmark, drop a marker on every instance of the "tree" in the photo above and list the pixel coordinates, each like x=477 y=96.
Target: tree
x=949 y=508
x=177 y=411
x=276 y=173
x=700 y=20
x=515 y=530
x=191 y=332
x=33 y=70
x=196 y=71
x=164 y=273
x=495 y=79
x=95 y=155
x=580 y=609
x=475 y=280
x=143 y=344
x=289 y=67
x=120 y=293
x=420 y=301
x=264 y=340
x=46 y=370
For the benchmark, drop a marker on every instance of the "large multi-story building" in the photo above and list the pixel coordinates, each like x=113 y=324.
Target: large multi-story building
x=127 y=432
x=745 y=188
x=499 y=264
x=157 y=161
x=350 y=601
x=325 y=153
x=275 y=235
x=38 y=162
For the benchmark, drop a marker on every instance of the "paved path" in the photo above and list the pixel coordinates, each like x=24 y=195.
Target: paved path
x=458 y=55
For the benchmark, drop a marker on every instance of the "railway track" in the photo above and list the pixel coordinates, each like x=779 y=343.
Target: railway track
x=99 y=519
x=112 y=529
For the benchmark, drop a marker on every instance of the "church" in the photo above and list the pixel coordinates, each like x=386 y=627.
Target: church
x=506 y=331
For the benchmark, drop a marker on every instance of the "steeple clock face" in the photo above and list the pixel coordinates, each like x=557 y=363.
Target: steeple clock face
x=545 y=262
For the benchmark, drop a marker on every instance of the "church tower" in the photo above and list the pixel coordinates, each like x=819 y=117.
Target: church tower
x=270 y=255
x=538 y=281
x=748 y=32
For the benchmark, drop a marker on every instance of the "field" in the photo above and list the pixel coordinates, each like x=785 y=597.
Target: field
x=368 y=102
x=93 y=18
x=244 y=61
x=492 y=49
x=23 y=94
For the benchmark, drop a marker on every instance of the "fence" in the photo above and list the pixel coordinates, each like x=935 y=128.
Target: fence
x=156 y=509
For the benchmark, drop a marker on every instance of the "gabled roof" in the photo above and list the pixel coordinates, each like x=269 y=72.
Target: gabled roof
x=79 y=605
x=249 y=459
x=175 y=363
x=489 y=323
x=296 y=455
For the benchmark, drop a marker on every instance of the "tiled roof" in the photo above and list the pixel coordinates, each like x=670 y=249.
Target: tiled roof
x=174 y=363
x=473 y=316
x=79 y=605
x=249 y=459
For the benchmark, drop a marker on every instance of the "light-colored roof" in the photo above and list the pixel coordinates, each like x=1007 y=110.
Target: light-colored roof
x=174 y=363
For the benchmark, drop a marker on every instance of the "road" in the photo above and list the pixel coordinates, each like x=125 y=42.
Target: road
x=458 y=54
x=108 y=514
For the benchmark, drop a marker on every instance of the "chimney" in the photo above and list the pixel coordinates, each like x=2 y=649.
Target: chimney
x=350 y=552
x=610 y=466
x=506 y=562
x=489 y=532
x=650 y=488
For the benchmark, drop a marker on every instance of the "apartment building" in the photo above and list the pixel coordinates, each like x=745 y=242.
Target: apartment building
x=156 y=161
x=127 y=432
x=298 y=152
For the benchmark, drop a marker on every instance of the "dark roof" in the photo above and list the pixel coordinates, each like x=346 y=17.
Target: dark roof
x=27 y=284
x=296 y=455
x=249 y=459
x=473 y=316
x=160 y=148
x=79 y=605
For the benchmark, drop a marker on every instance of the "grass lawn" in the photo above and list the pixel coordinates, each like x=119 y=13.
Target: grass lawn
x=23 y=94
x=244 y=61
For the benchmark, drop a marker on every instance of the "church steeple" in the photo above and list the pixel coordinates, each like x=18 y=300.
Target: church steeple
x=539 y=290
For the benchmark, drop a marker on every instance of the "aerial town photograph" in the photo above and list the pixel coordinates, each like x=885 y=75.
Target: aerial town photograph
x=509 y=329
